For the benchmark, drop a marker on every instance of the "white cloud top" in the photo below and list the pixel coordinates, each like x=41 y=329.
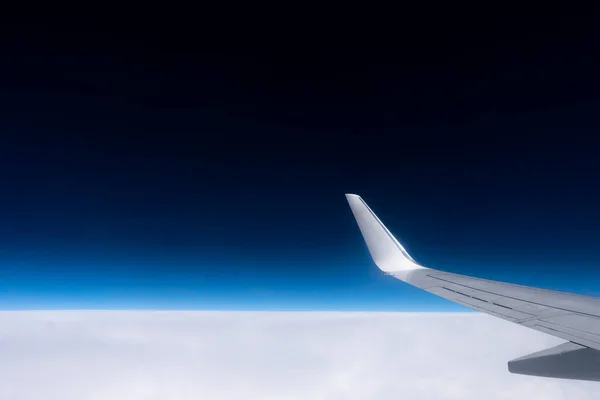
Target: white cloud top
x=122 y=355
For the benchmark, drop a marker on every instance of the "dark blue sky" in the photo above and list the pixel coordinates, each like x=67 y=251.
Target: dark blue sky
x=203 y=166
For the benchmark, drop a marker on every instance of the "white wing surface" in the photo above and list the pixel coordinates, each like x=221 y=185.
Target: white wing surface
x=572 y=317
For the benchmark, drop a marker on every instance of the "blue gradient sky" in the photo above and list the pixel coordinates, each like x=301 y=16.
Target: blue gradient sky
x=161 y=169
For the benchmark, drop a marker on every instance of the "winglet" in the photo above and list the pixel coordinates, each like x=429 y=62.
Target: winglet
x=386 y=251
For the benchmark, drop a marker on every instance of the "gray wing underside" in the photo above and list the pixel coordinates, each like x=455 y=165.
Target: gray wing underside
x=572 y=317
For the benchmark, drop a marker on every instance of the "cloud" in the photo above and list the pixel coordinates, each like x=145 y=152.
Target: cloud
x=269 y=355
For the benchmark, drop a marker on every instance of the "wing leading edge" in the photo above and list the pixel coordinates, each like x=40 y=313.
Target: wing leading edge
x=572 y=317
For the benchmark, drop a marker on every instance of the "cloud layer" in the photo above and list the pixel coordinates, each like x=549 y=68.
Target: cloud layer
x=269 y=355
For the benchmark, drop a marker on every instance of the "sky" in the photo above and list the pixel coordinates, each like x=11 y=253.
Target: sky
x=270 y=355
x=159 y=160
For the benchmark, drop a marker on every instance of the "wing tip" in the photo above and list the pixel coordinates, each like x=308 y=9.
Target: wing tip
x=389 y=255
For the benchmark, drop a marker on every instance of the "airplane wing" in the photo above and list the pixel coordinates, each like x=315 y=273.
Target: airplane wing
x=572 y=317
